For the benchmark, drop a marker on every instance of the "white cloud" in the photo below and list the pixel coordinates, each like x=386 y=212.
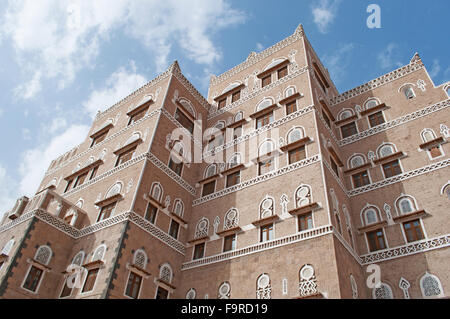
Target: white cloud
x=435 y=69
x=36 y=161
x=338 y=61
x=259 y=46
x=119 y=85
x=54 y=39
x=7 y=195
x=56 y=125
x=388 y=57
x=324 y=13
x=1 y=112
x=26 y=134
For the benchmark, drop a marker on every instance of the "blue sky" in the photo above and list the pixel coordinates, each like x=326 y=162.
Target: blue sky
x=62 y=61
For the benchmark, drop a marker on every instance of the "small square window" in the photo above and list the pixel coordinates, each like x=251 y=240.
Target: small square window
x=208 y=188
x=137 y=116
x=305 y=222
x=376 y=240
x=229 y=243
x=435 y=151
x=235 y=96
x=106 y=211
x=233 y=179
x=282 y=72
x=349 y=129
x=360 y=179
x=297 y=154
x=266 y=233
x=222 y=103
x=413 y=231
x=199 y=251
x=291 y=107
x=266 y=80
x=392 y=169
x=264 y=120
x=376 y=119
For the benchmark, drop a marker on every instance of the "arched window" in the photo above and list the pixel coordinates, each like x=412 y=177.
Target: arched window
x=178 y=207
x=78 y=259
x=201 y=230
x=427 y=135
x=431 y=286
x=274 y=63
x=356 y=161
x=239 y=116
x=386 y=150
x=165 y=273
x=157 y=191
x=382 y=292
x=263 y=287
x=114 y=190
x=266 y=208
x=302 y=196
x=43 y=255
x=295 y=134
x=7 y=248
x=408 y=92
x=345 y=114
x=234 y=160
x=224 y=290
x=289 y=91
x=211 y=170
x=264 y=103
x=220 y=125
x=308 y=282
x=266 y=147
x=370 y=215
x=405 y=205
x=446 y=190
x=231 y=86
x=188 y=106
x=371 y=103
x=136 y=136
x=178 y=148
x=231 y=219
x=140 y=259
x=99 y=253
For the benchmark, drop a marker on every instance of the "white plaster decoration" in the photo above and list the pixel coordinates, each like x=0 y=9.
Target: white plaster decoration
x=167 y=201
x=263 y=287
x=216 y=224
x=404 y=285
x=431 y=286
x=166 y=273
x=382 y=292
x=224 y=290
x=387 y=210
x=354 y=287
x=445 y=130
x=284 y=200
x=231 y=219
x=191 y=294
x=129 y=186
x=7 y=248
x=140 y=259
x=308 y=281
x=267 y=207
x=202 y=227
x=421 y=85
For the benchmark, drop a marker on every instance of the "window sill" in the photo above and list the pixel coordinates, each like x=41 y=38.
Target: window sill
x=266 y=221
x=373 y=226
x=390 y=157
x=231 y=231
x=410 y=216
x=304 y=209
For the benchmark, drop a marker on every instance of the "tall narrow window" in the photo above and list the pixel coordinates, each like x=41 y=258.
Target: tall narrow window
x=184 y=121
x=297 y=155
x=90 y=280
x=376 y=240
x=93 y=173
x=137 y=116
x=233 y=179
x=151 y=212
x=222 y=103
x=229 y=243
x=282 y=72
x=209 y=188
x=413 y=231
x=176 y=167
x=173 y=230
x=264 y=120
x=199 y=251
x=125 y=156
x=98 y=139
x=133 y=285
x=69 y=183
x=33 y=279
x=80 y=179
x=334 y=166
x=235 y=96
x=291 y=107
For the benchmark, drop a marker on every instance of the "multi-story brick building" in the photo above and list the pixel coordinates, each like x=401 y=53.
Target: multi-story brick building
x=294 y=194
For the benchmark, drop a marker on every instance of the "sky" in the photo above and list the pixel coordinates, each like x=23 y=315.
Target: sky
x=62 y=61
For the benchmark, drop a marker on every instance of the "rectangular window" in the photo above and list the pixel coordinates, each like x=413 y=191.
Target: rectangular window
x=93 y=173
x=199 y=251
x=90 y=280
x=376 y=240
x=282 y=72
x=235 y=96
x=222 y=103
x=100 y=138
x=162 y=293
x=435 y=152
x=413 y=231
x=151 y=212
x=266 y=80
x=334 y=166
x=176 y=167
x=291 y=107
x=133 y=285
x=305 y=222
x=229 y=243
x=264 y=120
x=106 y=211
x=349 y=129
x=184 y=120
x=360 y=179
x=391 y=169
x=33 y=279
x=233 y=179
x=266 y=166
x=173 y=230
x=208 y=188
x=266 y=233
x=137 y=116
x=66 y=292
x=376 y=119
x=326 y=118
x=80 y=180
x=297 y=154
x=69 y=183
x=125 y=156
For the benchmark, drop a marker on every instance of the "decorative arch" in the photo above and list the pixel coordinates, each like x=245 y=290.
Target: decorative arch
x=187 y=104
x=446 y=190
x=274 y=62
x=384 y=291
x=7 y=248
x=115 y=189
x=371 y=102
x=99 y=253
x=370 y=214
x=78 y=258
x=239 y=116
x=407 y=90
x=405 y=204
x=267 y=207
x=134 y=137
x=290 y=90
x=220 y=125
x=178 y=207
x=296 y=133
x=231 y=219
x=231 y=86
x=263 y=287
x=166 y=273
x=266 y=147
x=202 y=227
x=191 y=294
x=140 y=259
x=210 y=170
x=427 y=135
x=234 y=160
x=268 y=101
x=431 y=286
x=386 y=149
x=157 y=191
x=43 y=254
x=356 y=160
x=303 y=195
x=345 y=113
